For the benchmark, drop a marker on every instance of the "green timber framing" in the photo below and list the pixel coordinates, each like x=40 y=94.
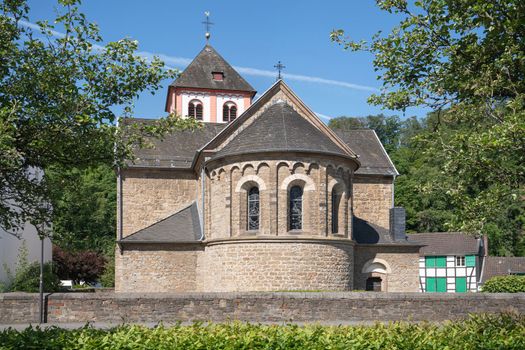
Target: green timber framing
x=451 y=273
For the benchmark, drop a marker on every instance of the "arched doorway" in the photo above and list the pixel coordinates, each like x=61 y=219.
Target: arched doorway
x=373 y=284
x=375 y=273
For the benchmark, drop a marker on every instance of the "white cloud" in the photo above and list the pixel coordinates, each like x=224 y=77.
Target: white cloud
x=182 y=62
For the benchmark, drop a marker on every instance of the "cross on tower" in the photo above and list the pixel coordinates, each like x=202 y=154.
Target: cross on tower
x=279 y=66
x=207 y=23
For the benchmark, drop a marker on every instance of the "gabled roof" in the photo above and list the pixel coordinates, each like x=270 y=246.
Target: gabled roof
x=176 y=150
x=501 y=266
x=199 y=73
x=447 y=243
x=278 y=91
x=280 y=128
x=181 y=227
x=372 y=154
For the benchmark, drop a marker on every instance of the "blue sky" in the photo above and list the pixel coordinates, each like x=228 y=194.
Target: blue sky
x=254 y=35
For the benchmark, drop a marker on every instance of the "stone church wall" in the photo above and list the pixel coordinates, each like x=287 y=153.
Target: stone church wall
x=402 y=261
x=150 y=195
x=229 y=181
x=157 y=268
x=373 y=199
x=273 y=265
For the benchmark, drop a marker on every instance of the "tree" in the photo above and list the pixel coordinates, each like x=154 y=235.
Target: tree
x=387 y=128
x=466 y=60
x=58 y=97
x=84 y=208
x=85 y=266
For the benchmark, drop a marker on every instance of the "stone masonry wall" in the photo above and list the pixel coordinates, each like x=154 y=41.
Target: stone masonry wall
x=230 y=180
x=151 y=195
x=160 y=268
x=403 y=262
x=272 y=265
x=373 y=199
x=324 y=308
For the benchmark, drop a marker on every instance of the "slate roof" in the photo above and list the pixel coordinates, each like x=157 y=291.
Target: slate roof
x=199 y=73
x=446 y=243
x=181 y=227
x=373 y=157
x=501 y=266
x=280 y=128
x=176 y=150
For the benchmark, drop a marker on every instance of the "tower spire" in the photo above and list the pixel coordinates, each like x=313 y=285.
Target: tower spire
x=207 y=24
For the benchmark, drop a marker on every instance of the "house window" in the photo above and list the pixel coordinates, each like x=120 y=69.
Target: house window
x=460 y=261
x=296 y=208
x=195 y=109
x=470 y=260
x=436 y=261
x=335 y=212
x=253 y=209
x=229 y=111
x=218 y=76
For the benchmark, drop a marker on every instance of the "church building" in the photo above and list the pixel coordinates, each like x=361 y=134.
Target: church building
x=263 y=197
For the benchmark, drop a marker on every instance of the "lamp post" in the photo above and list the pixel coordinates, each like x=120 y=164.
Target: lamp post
x=43 y=232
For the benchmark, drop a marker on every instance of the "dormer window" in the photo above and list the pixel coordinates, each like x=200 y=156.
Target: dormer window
x=229 y=111
x=218 y=76
x=195 y=109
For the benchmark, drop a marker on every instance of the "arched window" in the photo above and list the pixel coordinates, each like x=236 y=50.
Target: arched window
x=335 y=212
x=229 y=112
x=296 y=208
x=253 y=208
x=195 y=109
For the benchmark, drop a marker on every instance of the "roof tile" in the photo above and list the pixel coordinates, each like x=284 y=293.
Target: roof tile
x=281 y=128
x=183 y=226
x=446 y=243
x=199 y=73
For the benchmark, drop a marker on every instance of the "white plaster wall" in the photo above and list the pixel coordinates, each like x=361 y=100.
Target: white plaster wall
x=203 y=97
x=223 y=98
x=10 y=245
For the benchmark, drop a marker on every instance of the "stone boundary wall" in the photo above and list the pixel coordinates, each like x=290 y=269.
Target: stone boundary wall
x=329 y=307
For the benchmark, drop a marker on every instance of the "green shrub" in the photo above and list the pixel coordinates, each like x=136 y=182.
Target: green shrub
x=27 y=279
x=505 y=284
x=505 y=331
x=78 y=266
x=107 y=279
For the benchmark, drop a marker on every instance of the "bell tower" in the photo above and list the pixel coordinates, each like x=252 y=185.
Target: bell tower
x=209 y=90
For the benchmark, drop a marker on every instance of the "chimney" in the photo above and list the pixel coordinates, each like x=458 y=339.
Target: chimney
x=485 y=248
x=397 y=224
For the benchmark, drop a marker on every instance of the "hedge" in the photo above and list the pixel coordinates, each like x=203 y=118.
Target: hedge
x=504 y=331
x=505 y=284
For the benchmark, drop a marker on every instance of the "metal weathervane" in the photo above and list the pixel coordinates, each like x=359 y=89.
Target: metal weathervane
x=208 y=24
x=279 y=66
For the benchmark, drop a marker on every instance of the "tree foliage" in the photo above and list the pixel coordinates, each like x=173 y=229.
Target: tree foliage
x=84 y=208
x=466 y=61
x=85 y=266
x=58 y=97
x=387 y=128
